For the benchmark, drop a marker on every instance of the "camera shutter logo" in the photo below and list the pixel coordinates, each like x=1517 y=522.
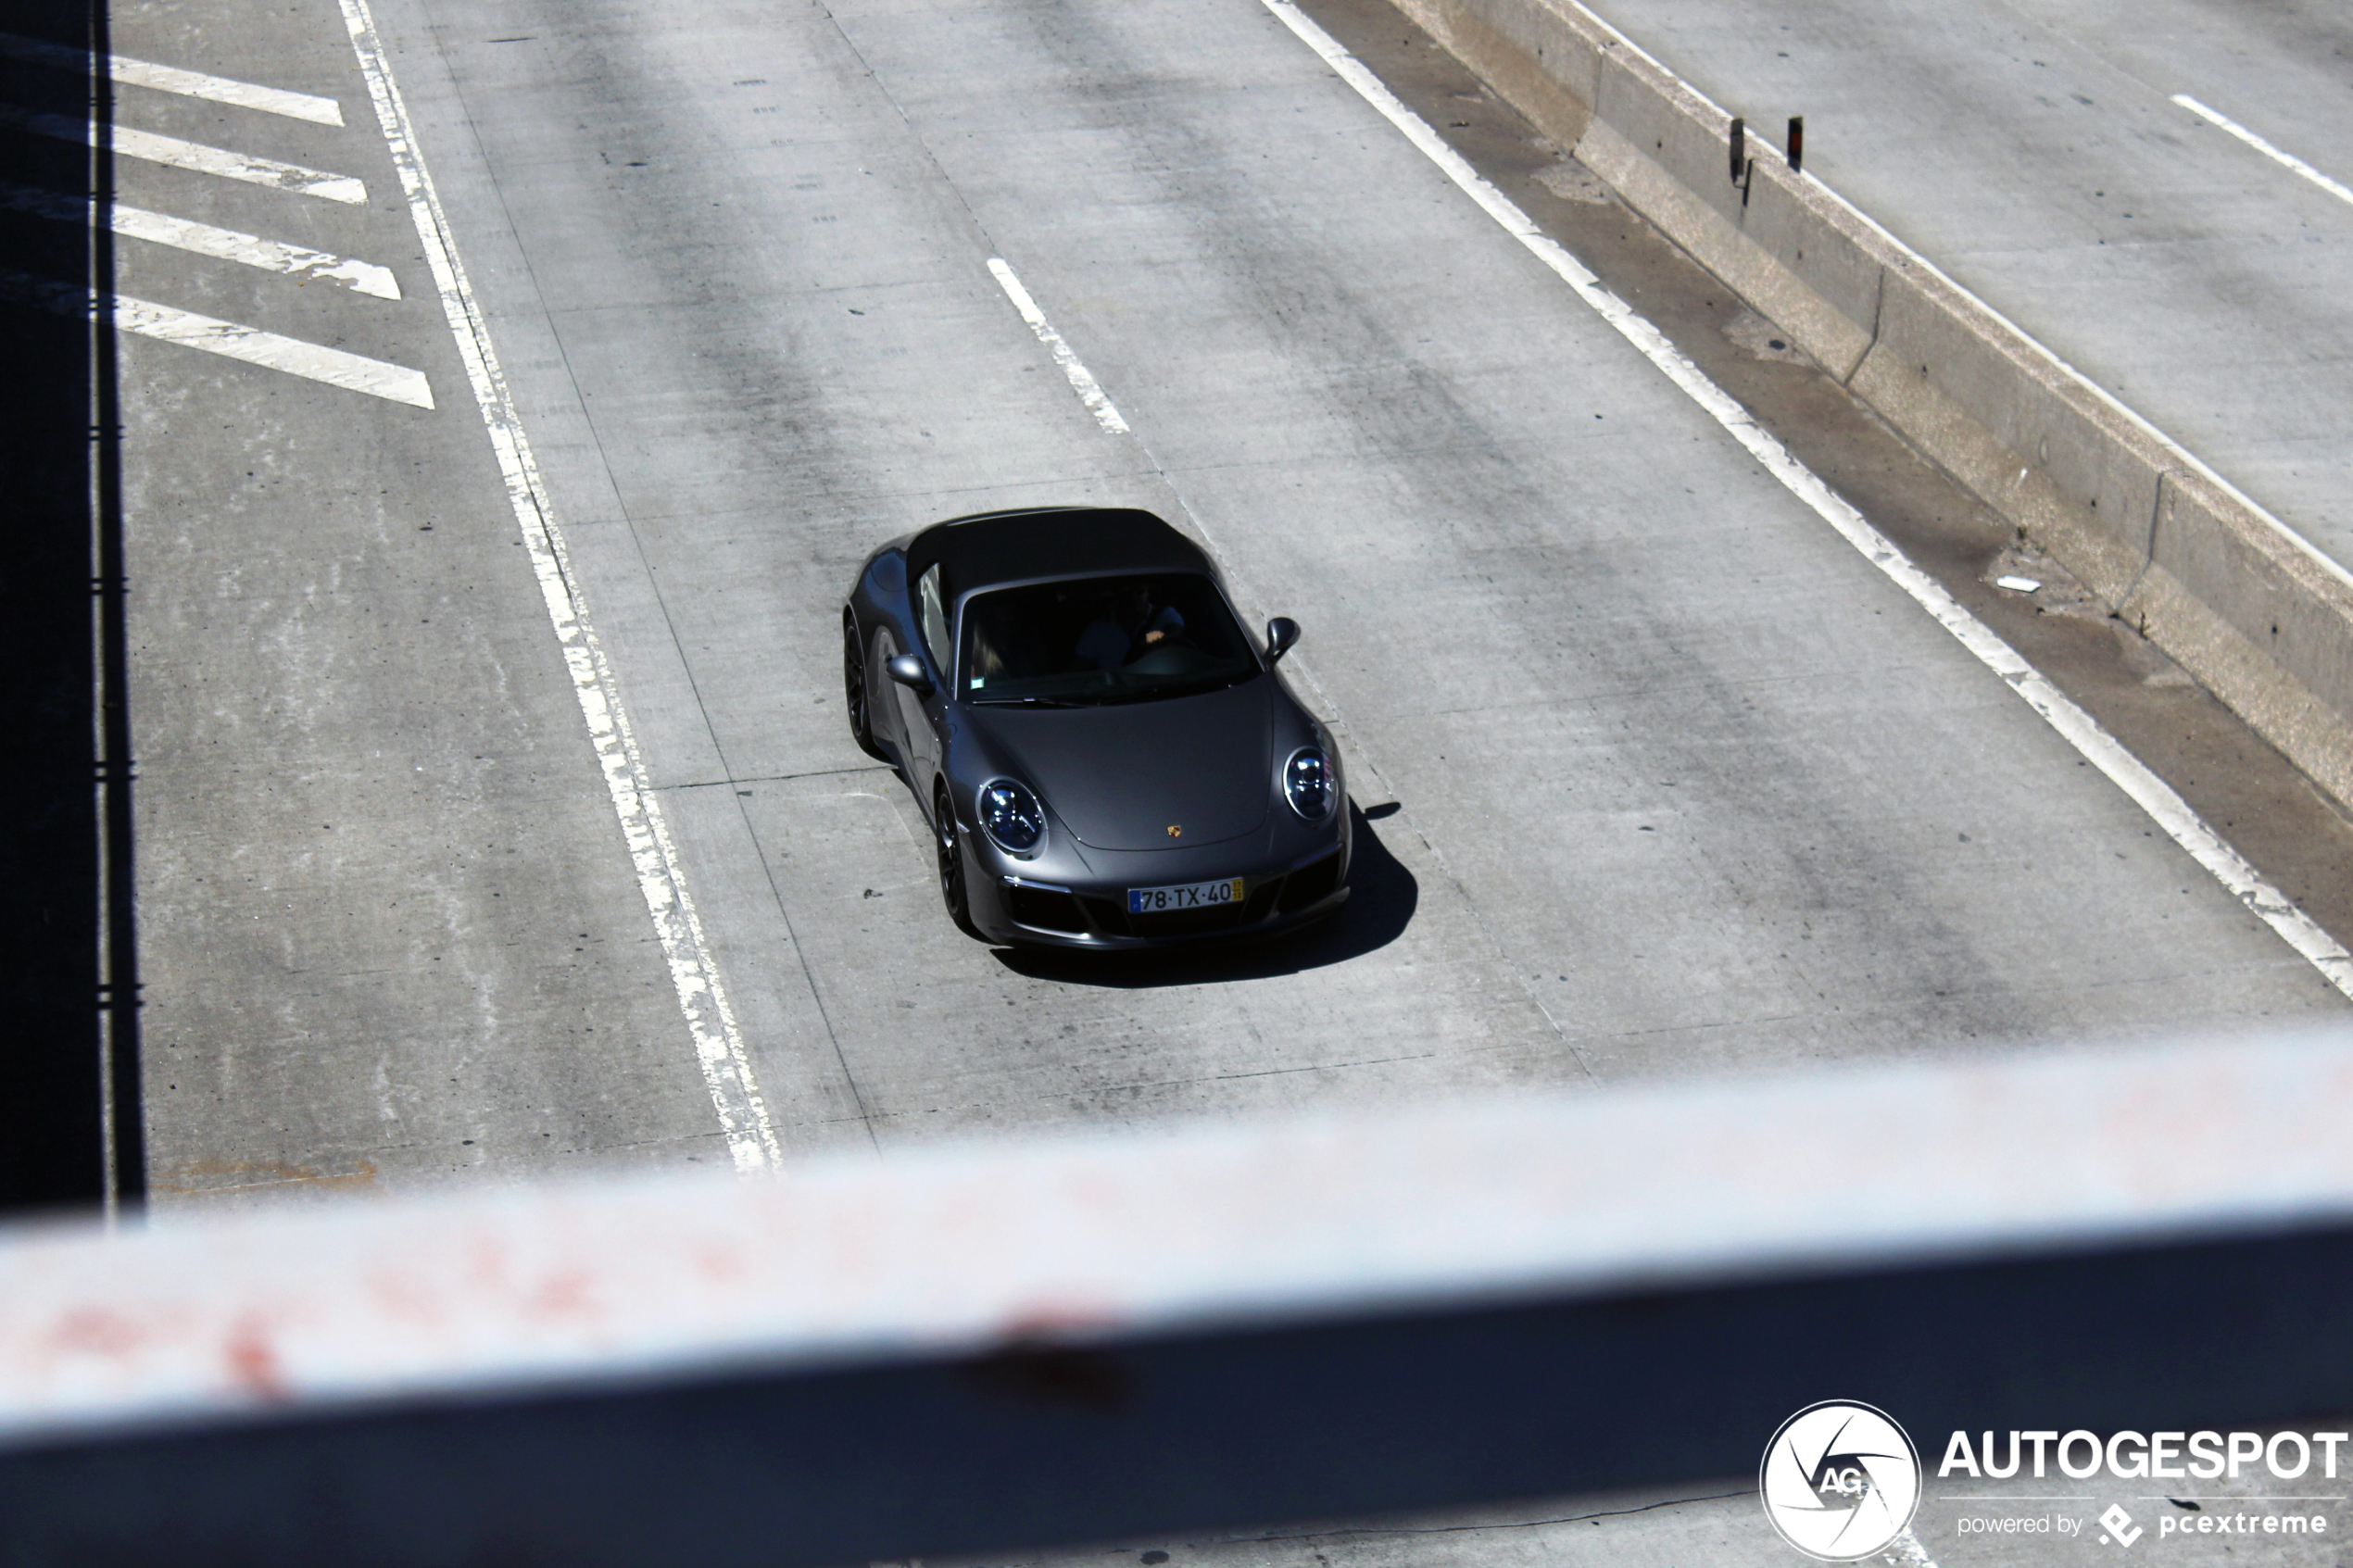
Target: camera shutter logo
x=1840 y=1480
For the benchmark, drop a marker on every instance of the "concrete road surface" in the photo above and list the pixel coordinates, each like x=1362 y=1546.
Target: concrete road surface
x=1681 y=783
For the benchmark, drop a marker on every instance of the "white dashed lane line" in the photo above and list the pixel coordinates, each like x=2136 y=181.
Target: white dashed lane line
x=171 y=79
x=2286 y=161
x=312 y=361
x=1082 y=382
x=202 y=239
x=150 y=147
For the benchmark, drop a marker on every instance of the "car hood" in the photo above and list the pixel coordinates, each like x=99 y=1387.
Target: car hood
x=1120 y=776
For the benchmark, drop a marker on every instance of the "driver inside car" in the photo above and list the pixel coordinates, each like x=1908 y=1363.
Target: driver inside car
x=1128 y=623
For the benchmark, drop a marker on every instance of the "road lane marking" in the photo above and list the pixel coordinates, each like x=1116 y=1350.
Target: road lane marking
x=1081 y=382
x=2167 y=808
x=662 y=878
x=227 y=244
x=355 y=372
x=171 y=79
x=313 y=362
x=2285 y=159
x=152 y=148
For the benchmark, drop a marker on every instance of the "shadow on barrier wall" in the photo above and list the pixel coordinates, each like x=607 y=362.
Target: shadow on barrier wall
x=70 y=1063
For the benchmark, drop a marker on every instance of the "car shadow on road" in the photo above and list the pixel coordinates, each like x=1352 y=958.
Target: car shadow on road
x=1382 y=896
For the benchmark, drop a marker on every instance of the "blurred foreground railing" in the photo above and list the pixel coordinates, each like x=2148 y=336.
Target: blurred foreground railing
x=1013 y=1345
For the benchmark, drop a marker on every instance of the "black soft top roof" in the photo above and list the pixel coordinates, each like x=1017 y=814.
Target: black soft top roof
x=976 y=552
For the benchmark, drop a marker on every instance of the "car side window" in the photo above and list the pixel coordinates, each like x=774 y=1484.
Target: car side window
x=932 y=617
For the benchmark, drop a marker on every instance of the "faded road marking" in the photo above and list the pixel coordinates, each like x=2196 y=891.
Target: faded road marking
x=150 y=147
x=226 y=244
x=189 y=1180
x=171 y=79
x=355 y=372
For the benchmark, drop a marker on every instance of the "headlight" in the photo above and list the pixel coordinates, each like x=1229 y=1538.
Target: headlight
x=1308 y=783
x=1011 y=816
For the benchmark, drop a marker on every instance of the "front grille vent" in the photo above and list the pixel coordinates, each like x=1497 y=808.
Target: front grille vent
x=1310 y=883
x=1043 y=910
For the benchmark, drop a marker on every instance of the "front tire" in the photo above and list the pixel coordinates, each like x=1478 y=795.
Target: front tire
x=853 y=680
x=949 y=842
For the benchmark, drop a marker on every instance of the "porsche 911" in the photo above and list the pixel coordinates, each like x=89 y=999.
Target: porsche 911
x=1106 y=758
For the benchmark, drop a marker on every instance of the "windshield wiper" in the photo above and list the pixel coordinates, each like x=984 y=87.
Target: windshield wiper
x=1028 y=702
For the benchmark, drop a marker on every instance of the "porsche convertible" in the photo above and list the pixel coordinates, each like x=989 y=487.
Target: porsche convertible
x=1106 y=758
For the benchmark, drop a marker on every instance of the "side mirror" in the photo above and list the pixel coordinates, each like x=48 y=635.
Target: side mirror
x=1282 y=635
x=908 y=671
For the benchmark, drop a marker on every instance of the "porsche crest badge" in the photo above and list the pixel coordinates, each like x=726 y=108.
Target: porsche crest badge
x=1176 y=831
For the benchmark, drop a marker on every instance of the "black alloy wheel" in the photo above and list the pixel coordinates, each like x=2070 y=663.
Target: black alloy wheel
x=952 y=862
x=853 y=680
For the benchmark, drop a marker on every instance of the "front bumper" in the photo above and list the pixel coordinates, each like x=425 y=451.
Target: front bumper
x=1092 y=915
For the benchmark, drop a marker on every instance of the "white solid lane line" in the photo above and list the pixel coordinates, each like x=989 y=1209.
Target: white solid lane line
x=152 y=148
x=171 y=79
x=2168 y=809
x=226 y=244
x=1081 y=380
x=662 y=878
x=2285 y=159
x=312 y=361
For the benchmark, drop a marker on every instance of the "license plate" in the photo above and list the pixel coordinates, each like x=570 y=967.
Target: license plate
x=1184 y=895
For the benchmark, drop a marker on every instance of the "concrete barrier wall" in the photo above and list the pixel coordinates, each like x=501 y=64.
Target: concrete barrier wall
x=2262 y=620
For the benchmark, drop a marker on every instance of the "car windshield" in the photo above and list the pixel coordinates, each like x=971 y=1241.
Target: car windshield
x=1101 y=639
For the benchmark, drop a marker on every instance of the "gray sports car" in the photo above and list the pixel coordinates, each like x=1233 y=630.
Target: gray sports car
x=1107 y=759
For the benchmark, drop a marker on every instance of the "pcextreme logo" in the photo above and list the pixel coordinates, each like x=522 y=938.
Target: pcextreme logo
x=1840 y=1480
